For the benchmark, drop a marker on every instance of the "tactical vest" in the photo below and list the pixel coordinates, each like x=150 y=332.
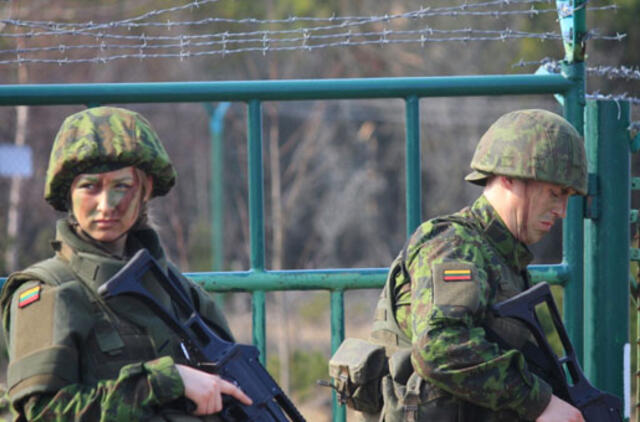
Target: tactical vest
x=407 y=396
x=122 y=331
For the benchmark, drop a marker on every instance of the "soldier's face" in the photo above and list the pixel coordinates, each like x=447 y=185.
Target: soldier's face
x=106 y=205
x=537 y=207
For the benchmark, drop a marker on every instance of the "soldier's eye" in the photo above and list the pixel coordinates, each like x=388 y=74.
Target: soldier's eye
x=86 y=185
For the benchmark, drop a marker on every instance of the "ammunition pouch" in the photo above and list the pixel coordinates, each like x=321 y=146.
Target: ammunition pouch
x=356 y=369
x=409 y=398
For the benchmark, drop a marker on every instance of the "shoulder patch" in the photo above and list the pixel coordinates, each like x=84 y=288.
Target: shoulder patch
x=455 y=285
x=29 y=296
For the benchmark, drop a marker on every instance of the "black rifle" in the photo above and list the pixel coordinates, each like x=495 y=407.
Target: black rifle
x=237 y=363
x=595 y=405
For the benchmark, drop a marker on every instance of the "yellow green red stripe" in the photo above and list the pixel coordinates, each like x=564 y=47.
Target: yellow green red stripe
x=457 y=272
x=29 y=296
x=456 y=275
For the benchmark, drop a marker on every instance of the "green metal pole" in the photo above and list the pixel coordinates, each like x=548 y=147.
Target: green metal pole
x=606 y=295
x=216 y=128
x=337 y=336
x=572 y=18
x=273 y=90
x=572 y=227
x=256 y=221
x=412 y=164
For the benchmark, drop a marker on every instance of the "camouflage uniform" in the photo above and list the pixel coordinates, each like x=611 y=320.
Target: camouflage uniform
x=74 y=356
x=433 y=312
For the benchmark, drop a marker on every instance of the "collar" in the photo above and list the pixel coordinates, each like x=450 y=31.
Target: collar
x=93 y=264
x=513 y=250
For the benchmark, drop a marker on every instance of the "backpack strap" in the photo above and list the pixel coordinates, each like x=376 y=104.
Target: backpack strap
x=385 y=330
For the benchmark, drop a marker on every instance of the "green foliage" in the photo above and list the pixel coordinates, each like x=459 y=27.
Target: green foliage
x=316 y=307
x=306 y=368
x=280 y=9
x=200 y=258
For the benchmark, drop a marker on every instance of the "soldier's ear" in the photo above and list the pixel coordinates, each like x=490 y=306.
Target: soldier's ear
x=506 y=182
x=148 y=186
x=146 y=183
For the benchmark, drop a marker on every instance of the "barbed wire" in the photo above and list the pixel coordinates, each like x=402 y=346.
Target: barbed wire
x=128 y=21
x=611 y=72
x=614 y=72
x=345 y=21
x=460 y=10
x=381 y=36
x=265 y=41
x=267 y=46
x=613 y=97
x=265 y=37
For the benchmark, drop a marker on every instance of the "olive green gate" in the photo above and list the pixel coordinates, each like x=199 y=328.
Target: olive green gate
x=596 y=253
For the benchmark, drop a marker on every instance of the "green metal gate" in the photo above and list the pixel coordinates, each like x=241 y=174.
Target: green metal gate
x=595 y=231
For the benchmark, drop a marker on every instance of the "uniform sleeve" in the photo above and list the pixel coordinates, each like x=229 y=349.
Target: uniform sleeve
x=44 y=325
x=135 y=395
x=450 y=294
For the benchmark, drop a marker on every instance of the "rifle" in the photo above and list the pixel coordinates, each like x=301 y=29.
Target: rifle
x=237 y=363
x=595 y=405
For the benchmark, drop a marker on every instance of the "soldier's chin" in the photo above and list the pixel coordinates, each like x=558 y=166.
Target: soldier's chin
x=105 y=236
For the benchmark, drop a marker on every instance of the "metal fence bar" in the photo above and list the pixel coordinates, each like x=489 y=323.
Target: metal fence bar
x=256 y=220
x=412 y=164
x=282 y=90
x=337 y=336
x=333 y=279
x=572 y=227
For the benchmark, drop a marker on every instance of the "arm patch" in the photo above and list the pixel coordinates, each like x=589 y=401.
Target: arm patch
x=455 y=284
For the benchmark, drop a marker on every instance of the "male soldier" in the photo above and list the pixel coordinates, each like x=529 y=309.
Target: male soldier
x=435 y=305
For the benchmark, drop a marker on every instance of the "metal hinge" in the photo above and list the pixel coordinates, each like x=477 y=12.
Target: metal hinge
x=591 y=204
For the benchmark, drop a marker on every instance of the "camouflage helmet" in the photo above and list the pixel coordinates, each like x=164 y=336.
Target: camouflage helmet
x=532 y=144
x=104 y=139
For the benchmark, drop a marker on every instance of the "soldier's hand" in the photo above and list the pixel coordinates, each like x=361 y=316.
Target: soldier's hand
x=559 y=410
x=206 y=390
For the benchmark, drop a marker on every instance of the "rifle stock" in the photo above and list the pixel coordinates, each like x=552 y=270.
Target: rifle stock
x=571 y=386
x=237 y=363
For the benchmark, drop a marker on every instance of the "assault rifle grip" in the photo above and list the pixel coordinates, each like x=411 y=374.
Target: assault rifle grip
x=237 y=363
x=595 y=405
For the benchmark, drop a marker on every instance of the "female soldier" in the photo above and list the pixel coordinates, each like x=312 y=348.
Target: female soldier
x=72 y=355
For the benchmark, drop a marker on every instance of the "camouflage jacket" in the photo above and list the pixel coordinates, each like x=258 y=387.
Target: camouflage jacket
x=75 y=357
x=440 y=289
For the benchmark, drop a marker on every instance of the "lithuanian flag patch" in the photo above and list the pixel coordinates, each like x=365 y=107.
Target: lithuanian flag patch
x=456 y=275
x=29 y=296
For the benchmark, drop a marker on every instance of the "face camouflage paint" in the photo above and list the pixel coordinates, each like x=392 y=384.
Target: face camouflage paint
x=106 y=205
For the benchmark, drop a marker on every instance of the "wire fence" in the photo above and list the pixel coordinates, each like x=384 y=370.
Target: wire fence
x=141 y=38
x=68 y=42
x=465 y=9
x=614 y=97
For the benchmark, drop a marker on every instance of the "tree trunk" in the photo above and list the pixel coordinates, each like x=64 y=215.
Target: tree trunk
x=13 y=215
